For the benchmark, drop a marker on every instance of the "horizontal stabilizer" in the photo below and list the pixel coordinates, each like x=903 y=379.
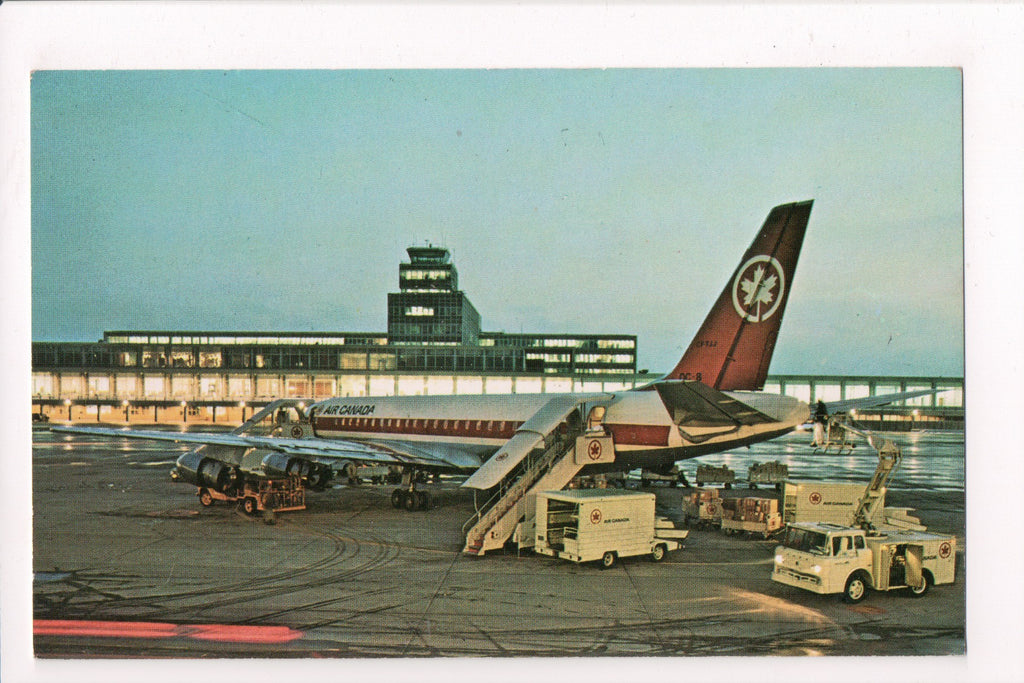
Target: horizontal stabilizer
x=698 y=405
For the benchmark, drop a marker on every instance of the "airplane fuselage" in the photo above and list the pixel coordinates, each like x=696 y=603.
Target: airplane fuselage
x=641 y=426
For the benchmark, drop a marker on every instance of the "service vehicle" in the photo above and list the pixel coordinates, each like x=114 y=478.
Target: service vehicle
x=755 y=516
x=258 y=495
x=852 y=557
x=702 y=507
x=831 y=559
x=770 y=473
x=603 y=525
x=710 y=474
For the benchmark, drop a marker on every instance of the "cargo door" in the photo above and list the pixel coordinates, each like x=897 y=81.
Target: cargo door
x=915 y=564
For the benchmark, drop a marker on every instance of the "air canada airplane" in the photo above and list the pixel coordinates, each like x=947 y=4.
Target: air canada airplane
x=710 y=402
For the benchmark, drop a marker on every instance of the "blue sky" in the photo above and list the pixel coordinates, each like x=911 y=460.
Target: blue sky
x=614 y=201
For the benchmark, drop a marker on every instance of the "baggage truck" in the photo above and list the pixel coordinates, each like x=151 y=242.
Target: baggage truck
x=758 y=516
x=835 y=559
x=773 y=472
x=584 y=525
x=260 y=495
x=709 y=474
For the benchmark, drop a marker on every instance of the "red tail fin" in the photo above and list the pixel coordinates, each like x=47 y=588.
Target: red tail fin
x=734 y=346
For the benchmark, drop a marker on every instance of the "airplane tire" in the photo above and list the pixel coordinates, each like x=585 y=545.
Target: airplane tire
x=205 y=498
x=411 y=501
x=423 y=499
x=397 y=498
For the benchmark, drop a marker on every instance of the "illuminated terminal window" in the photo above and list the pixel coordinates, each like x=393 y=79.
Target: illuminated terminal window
x=419 y=310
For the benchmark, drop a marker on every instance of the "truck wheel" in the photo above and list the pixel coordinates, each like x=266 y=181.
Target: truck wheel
x=249 y=506
x=205 y=498
x=658 y=554
x=923 y=588
x=856 y=589
x=608 y=560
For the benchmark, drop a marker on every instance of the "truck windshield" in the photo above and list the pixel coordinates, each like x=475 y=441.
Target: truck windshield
x=806 y=540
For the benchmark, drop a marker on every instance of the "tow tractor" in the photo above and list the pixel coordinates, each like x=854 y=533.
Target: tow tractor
x=848 y=560
x=257 y=495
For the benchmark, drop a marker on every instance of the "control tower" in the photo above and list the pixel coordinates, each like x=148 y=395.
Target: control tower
x=429 y=308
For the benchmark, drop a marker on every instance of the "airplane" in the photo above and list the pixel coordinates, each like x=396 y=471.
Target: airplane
x=711 y=401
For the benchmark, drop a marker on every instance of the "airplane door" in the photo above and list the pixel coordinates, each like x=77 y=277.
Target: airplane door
x=595 y=419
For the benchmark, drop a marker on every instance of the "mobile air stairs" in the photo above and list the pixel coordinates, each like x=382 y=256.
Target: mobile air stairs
x=544 y=454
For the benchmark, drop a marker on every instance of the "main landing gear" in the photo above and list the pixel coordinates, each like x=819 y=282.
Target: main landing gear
x=407 y=496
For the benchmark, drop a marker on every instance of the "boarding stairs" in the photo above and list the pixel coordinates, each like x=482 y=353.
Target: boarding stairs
x=545 y=454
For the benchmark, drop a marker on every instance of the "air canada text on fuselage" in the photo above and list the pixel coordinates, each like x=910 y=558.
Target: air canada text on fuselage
x=349 y=409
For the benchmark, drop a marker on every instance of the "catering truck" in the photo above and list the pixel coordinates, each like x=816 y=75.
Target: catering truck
x=584 y=525
x=834 y=559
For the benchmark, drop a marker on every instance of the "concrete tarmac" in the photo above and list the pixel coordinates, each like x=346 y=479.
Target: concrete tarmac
x=116 y=541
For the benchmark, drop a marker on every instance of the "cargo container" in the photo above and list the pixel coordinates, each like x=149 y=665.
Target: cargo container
x=836 y=503
x=604 y=525
x=767 y=473
x=702 y=507
x=757 y=516
x=710 y=474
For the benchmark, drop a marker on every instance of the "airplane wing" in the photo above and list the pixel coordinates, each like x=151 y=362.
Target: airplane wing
x=845 y=406
x=325 y=451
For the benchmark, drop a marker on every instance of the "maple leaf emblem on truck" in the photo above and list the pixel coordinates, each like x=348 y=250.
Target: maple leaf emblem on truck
x=762 y=283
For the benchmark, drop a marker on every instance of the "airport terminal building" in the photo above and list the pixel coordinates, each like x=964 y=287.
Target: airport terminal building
x=434 y=345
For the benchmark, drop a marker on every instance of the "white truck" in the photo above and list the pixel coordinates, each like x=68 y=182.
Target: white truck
x=831 y=559
x=584 y=525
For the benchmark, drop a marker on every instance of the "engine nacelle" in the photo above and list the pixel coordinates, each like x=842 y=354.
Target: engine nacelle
x=314 y=474
x=195 y=468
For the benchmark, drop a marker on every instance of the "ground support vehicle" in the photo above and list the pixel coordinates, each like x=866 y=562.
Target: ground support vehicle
x=257 y=495
x=703 y=507
x=709 y=474
x=835 y=559
x=770 y=473
x=755 y=516
x=604 y=525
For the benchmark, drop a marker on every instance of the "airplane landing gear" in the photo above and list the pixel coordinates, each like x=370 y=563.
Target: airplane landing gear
x=408 y=497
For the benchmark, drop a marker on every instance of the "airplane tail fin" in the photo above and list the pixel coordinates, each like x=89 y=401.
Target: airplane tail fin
x=734 y=346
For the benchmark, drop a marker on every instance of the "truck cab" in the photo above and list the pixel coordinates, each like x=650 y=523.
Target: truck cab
x=830 y=559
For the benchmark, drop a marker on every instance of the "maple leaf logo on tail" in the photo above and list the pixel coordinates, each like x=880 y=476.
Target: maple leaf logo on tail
x=763 y=284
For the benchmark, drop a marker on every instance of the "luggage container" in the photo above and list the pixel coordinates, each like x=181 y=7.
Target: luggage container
x=770 y=473
x=756 y=516
x=703 y=507
x=604 y=525
x=836 y=503
x=709 y=474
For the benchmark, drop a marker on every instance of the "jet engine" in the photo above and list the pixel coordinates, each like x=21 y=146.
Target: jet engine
x=195 y=468
x=316 y=475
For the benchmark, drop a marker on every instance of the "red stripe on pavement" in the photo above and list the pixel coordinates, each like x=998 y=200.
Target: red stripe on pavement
x=227 y=633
